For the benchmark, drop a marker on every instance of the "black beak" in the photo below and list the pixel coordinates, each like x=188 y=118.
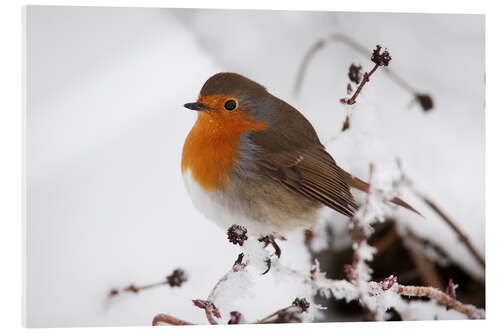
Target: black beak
x=197 y=106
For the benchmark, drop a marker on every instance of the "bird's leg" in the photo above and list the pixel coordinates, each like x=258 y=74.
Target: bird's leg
x=270 y=239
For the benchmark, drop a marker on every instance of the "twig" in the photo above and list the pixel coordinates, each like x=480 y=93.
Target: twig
x=305 y=63
x=358 y=234
x=432 y=205
x=461 y=236
x=366 y=78
x=344 y=289
x=210 y=310
x=359 y=273
x=238 y=266
x=167 y=319
x=208 y=305
x=417 y=291
x=425 y=266
x=386 y=240
x=268 y=318
x=176 y=279
x=288 y=314
x=339 y=289
x=425 y=100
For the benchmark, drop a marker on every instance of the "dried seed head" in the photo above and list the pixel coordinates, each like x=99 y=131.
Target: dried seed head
x=425 y=101
x=355 y=73
x=302 y=303
x=177 y=278
x=381 y=59
x=237 y=234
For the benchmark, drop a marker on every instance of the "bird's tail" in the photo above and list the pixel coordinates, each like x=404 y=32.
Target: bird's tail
x=362 y=186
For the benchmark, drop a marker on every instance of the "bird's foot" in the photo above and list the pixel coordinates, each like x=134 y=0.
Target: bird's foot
x=271 y=239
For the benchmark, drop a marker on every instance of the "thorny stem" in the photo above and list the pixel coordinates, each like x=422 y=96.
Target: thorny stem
x=366 y=78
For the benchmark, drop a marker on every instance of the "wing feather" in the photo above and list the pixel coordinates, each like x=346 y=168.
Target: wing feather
x=311 y=174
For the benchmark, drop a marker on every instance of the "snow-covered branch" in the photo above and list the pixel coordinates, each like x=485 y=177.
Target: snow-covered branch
x=375 y=297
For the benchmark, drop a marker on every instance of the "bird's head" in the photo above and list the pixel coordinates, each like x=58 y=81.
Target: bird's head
x=233 y=97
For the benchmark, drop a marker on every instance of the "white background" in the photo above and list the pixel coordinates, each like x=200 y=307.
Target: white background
x=14 y=157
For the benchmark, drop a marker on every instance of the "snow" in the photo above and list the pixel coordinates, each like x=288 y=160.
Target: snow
x=106 y=204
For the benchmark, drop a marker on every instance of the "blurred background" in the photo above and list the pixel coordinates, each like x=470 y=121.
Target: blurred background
x=106 y=205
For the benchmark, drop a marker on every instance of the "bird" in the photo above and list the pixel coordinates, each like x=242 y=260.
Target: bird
x=253 y=160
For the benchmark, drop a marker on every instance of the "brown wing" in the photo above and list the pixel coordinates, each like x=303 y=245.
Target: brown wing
x=313 y=174
x=291 y=153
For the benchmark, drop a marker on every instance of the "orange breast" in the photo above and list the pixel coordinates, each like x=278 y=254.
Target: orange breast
x=210 y=149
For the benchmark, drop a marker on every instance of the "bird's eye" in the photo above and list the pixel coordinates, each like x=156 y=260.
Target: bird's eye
x=230 y=105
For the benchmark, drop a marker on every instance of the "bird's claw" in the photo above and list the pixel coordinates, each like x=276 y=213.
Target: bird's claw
x=268 y=263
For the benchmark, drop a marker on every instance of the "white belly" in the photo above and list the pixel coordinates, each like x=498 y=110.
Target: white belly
x=216 y=207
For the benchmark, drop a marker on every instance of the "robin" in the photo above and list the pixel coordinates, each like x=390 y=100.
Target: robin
x=252 y=159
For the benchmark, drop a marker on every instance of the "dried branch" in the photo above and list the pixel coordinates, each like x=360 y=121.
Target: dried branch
x=167 y=319
x=211 y=310
x=237 y=234
x=176 y=279
x=359 y=273
x=388 y=239
x=238 y=266
x=376 y=297
x=424 y=266
x=359 y=234
x=342 y=289
x=305 y=63
x=425 y=100
x=290 y=314
x=461 y=236
x=454 y=226
x=366 y=78
x=417 y=291
x=380 y=59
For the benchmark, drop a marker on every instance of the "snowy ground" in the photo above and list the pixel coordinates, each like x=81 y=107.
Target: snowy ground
x=106 y=204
